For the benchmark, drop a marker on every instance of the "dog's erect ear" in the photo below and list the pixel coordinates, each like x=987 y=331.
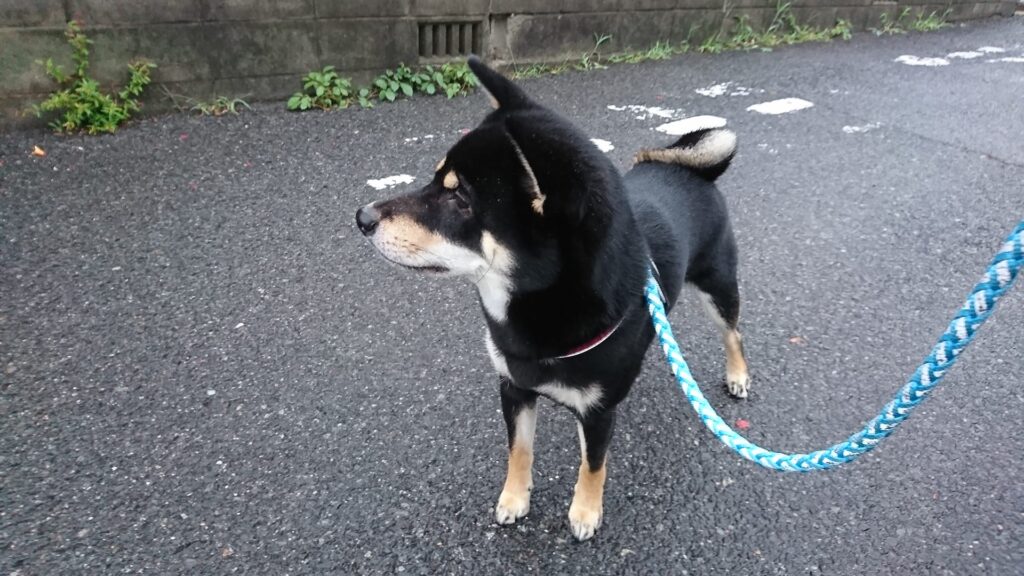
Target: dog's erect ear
x=504 y=94
x=537 y=197
x=547 y=148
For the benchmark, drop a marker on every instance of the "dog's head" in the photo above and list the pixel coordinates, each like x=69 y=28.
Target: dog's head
x=500 y=199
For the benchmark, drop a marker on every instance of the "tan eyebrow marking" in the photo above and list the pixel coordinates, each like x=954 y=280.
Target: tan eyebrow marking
x=451 y=181
x=441 y=164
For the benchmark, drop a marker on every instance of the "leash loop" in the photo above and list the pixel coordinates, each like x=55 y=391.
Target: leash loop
x=980 y=304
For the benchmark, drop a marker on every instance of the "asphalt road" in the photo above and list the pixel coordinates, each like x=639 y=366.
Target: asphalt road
x=206 y=370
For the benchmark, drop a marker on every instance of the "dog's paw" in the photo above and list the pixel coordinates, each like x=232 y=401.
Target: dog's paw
x=511 y=507
x=738 y=384
x=584 y=521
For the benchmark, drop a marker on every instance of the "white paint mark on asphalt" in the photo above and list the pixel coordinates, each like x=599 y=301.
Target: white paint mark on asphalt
x=780 y=106
x=910 y=60
x=645 y=112
x=602 y=145
x=211 y=392
x=716 y=90
x=991 y=50
x=418 y=138
x=861 y=129
x=691 y=125
x=1017 y=59
x=965 y=55
x=390 y=181
x=239 y=325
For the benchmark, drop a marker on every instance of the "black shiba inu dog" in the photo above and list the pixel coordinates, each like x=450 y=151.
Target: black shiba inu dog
x=559 y=244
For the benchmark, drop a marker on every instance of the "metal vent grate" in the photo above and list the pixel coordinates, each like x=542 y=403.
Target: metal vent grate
x=443 y=40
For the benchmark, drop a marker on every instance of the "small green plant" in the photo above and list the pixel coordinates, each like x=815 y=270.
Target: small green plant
x=712 y=44
x=661 y=50
x=456 y=80
x=80 y=102
x=324 y=89
x=784 y=29
x=931 y=22
x=890 y=25
x=592 y=60
x=220 y=106
x=536 y=70
x=842 y=29
x=394 y=82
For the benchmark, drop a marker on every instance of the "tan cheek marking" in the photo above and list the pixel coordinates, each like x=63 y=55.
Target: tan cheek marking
x=409 y=231
x=451 y=181
x=494 y=250
x=441 y=164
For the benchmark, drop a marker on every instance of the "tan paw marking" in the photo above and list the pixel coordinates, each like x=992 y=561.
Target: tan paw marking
x=588 y=501
x=511 y=506
x=738 y=384
x=584 y=520
x=737 y=379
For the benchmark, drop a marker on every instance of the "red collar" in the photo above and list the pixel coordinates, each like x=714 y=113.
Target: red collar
x=590 y=345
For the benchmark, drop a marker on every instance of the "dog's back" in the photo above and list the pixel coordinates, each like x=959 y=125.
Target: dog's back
x=678 y=207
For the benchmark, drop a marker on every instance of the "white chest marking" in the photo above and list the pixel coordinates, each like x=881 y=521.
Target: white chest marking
x=494 y=294
x=579 y=399
x=497 y=359
x=494 y=285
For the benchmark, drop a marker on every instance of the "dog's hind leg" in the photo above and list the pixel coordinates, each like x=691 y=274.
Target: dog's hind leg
x=721 y=298
x=519 y=408
x=587 y=508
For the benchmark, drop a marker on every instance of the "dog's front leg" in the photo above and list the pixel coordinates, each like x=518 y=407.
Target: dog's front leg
x=519 y=408
x=587 y=508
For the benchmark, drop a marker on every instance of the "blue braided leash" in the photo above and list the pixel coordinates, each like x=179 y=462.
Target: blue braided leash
x=979 y=306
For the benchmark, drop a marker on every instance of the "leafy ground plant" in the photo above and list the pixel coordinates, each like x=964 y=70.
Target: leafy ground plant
x=325 y=89
x=80 y=103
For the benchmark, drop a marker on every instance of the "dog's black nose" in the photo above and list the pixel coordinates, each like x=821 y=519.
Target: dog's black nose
x=367 y=219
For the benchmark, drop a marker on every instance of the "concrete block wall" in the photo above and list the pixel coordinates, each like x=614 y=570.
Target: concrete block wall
x=260 y=48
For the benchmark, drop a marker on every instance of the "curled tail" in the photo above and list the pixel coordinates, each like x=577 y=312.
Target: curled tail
x=705 y=147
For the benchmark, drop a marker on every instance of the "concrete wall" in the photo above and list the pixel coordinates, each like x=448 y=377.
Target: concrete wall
x=260 y=48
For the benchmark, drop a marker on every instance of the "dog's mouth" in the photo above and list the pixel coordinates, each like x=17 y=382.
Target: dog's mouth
x=432 y=269
x=428 y=269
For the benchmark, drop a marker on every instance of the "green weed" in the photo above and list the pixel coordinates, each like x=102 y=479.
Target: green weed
x=80 y=103
x=931 y=22
x=890 y=25
x=784 y=29
x=326 y=89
